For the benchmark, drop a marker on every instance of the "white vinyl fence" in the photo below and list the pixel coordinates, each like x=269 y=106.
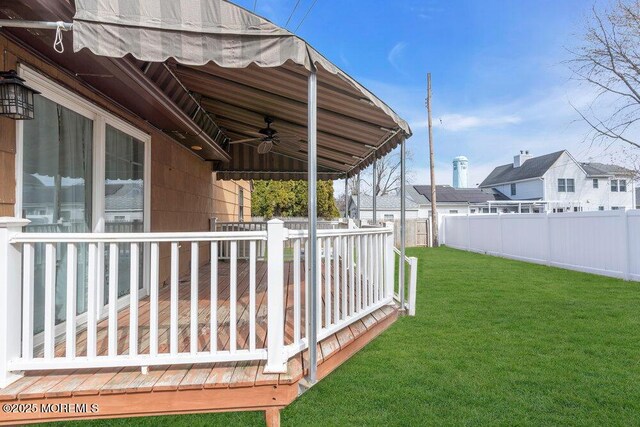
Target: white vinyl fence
x=603 y=242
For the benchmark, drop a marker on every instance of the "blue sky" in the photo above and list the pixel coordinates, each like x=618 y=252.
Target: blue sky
x=500 y=80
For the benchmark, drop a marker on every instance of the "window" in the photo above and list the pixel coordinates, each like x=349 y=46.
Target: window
x=566 y=185
x=513 y=189
x=614 y=185
x=600 y=208
x=240 y=204
x=485 y=210
x=388 y=217
x=622 y=185
x=616 y=208
x=595 y=183
x=494 y=210
x=562 y=185
x=453 y=211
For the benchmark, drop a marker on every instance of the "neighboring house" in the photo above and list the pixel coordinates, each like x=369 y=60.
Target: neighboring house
x=450 y=200
x=561 y=183
x=638 y=198
x=387 y=208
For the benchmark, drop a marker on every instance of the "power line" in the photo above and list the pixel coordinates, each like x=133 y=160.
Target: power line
x=292 y=12
x=305 y=15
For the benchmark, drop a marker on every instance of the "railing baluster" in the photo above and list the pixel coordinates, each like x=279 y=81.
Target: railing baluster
x=252 y=295
x=49 y=299
x=347 y=260
x=381 y=257
x=72 y=280
x=28 y=253
x=366 y=276
x=195 y=258
x=92 y=302
x=175 y=273
x=113 y=299
x=327 y=281
x=134 y=270
x=296 y=291
x=336 y=280
x=376 y=270
x=213 y=299
x=233 y=297
x=154 y=283
x=318 y=262
x=345 y=279
x=358 y=254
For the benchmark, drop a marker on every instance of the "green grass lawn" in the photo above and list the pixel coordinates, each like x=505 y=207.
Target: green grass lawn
x=494 y=342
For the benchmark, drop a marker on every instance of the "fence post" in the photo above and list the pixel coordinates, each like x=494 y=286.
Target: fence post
x=389 y=261
x=501 y=250
x=276 y=361
x=413 y=278
x=626 y=248
x=468 y=232
x=547 y=222
x=10 y=297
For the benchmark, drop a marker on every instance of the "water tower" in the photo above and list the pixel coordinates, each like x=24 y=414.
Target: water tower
x=460 y=172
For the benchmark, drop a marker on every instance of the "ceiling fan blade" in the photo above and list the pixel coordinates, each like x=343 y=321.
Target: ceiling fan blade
x=265 y=147
x=242 y=141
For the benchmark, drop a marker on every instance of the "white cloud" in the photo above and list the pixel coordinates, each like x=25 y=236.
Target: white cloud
x=395 y=55
x=460 y=122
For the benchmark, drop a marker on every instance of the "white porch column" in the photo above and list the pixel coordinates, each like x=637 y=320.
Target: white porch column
x=10 y=297
x=402 y=221
x=311 y=257
x=276 y=361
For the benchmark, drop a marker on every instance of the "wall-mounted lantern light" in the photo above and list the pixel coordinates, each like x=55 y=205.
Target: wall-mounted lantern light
x=16 y=98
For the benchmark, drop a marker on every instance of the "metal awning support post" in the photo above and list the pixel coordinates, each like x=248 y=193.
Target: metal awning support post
x=311 y=257
x=374 y=184
x=402 y=221
x=346 y=197
x=358 y=195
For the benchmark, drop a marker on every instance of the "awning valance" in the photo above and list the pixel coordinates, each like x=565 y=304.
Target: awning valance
x=200 y=39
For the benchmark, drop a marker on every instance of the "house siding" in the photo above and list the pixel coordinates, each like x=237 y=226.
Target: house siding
x=185 y=193
x=525 y=190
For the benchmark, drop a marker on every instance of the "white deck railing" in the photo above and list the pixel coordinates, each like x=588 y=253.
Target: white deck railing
x=97 y=308
x=355 y=277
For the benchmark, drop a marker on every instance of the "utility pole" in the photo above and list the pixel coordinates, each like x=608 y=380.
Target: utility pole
x=434 y=211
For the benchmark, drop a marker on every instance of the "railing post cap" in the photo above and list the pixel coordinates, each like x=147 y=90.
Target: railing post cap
x=9 y=221
x=275 y=221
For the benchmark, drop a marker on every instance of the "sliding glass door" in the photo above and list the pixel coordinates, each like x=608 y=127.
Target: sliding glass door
x=57 y=193
x=83 y=170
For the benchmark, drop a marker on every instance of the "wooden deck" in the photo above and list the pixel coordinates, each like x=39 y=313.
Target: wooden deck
x=120 y=392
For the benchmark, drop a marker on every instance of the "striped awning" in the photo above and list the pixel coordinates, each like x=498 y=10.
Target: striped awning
x=242 y=68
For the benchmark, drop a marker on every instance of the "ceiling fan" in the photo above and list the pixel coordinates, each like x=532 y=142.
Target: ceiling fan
x=267 y=140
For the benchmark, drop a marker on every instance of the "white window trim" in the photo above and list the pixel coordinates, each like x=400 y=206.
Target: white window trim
x=100 y=117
